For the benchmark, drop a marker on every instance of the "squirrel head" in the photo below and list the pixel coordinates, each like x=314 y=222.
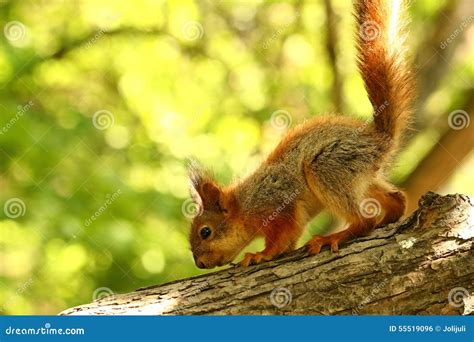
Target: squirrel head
x=215 y=236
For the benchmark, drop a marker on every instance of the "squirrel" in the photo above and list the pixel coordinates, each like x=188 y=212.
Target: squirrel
x=329 y=162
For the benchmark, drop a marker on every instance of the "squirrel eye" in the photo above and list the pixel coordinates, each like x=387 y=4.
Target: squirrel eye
x=205 y=232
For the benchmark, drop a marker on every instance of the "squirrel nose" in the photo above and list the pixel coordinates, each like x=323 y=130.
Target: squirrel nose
x=199 y=263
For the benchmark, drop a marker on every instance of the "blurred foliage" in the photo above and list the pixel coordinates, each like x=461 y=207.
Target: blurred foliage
x=169 y=80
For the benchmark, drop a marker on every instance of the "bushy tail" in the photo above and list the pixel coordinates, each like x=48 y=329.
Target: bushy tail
x=382 y=63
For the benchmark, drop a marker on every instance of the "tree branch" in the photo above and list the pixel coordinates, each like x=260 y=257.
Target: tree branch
x=423 y=265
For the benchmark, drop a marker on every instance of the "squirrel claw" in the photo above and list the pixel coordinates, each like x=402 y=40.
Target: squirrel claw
x=316 y=243
x=253 y=259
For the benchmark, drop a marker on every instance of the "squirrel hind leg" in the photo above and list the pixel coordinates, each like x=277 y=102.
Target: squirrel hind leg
x=391 y=200
x=381 y=196
x=343 y=191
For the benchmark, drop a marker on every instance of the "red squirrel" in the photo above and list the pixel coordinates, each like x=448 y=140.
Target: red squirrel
x=329 y=162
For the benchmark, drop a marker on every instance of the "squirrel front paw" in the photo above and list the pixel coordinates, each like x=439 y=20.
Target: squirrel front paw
x=254 y=259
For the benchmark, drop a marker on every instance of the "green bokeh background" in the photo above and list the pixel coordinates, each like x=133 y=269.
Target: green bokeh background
x=178 y=79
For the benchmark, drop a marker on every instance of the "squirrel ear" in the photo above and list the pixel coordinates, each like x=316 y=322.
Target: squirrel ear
x=211 y=196
x=204 y=190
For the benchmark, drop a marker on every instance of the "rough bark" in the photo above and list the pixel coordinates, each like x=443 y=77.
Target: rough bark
x=423 y=265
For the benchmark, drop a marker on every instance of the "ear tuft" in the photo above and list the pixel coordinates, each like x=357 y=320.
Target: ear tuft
x=204 y=189
x=198 y=175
